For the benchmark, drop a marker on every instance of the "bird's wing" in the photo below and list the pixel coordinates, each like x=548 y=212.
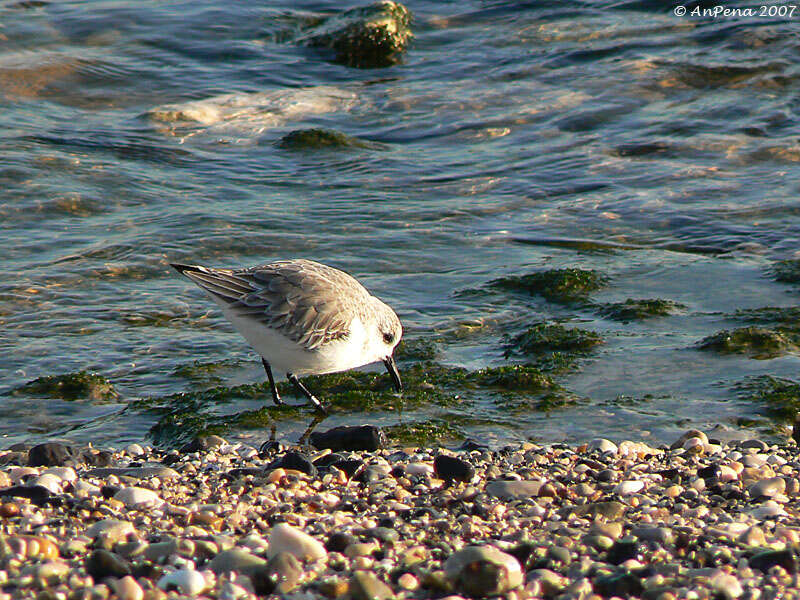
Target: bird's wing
x=309 y=303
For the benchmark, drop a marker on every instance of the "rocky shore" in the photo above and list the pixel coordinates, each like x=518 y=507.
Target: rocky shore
x=699 y=519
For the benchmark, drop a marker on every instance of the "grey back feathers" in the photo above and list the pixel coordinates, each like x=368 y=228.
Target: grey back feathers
x=308 y=302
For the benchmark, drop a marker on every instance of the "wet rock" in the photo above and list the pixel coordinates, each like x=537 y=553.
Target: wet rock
x=71 y=386
x=350 y=467
x=544 y=337
x=318 y=138
x=483 y=571
x=639 y=309
x=50 y=454
x=364 y=585
x=557 y=285
x=514 y=490
x=365 y=37
x=350 y=438
x=451 y=468
x=757 y=342
x=296 y=461
x=285 y=538
x=102 y=563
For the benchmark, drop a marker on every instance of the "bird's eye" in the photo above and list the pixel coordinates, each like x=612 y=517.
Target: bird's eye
x=388 y=338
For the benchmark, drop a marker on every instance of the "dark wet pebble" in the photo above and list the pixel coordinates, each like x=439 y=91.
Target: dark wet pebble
x=451 y=468
x=296 y=461
x=766 y=560
x=338 y=541
x=37 y=494
x=109 y=491
x=621 y=551
x=369 y=475
x=328 y=459
x=102 y=563
x=50 y=454
x=353 y=438
x=709 y=472
x=606 y=476
x=350 y=466
x=622 y=585
x=470 y=445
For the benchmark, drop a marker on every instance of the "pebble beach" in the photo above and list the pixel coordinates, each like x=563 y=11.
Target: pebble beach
x=696 y=519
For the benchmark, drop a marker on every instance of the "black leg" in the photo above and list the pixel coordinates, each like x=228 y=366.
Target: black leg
x=310 y=429
x=304 y=390
x=275 y=395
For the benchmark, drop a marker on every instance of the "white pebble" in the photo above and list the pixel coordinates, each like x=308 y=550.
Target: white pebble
x=628 y=487
x=128 y=589
x=188 y=581
x=48 y=481
x=134 y=450
x=134 y=497
x=63 y=473
x=419 y=469
x=285 y=538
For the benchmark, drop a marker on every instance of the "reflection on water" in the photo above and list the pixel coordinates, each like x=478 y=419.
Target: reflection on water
x=661 y=152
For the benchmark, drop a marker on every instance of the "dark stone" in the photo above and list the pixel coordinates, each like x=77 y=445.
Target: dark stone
x=620 y=586
x=606 y=476
x=369 y=475
x=451 y=468
x=296 y=461
x=202 y=443
x=522 y=552
x=50 y=454
x=766 y=560
x=270 y=447
x=709 y=472
x=350 y=466
x=109 y=491
x=19 y=447
x=398 y=472
x=328 y=459
x=352 y=438
x=470 y=445
x=103 y=563
x=37 y=494
x=171 y=459
x=621 y=551
x=97 y=458
x=243 y=472
x=337 y=542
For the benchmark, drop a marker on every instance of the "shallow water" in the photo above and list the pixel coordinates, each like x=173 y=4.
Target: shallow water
x=514 y=137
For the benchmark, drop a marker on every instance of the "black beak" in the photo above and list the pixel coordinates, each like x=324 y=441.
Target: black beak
x=392 y=368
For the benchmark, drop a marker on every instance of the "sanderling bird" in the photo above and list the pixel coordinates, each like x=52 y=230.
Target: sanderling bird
x=303 y=318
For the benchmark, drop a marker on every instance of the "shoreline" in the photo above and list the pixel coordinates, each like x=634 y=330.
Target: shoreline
x=220 y=520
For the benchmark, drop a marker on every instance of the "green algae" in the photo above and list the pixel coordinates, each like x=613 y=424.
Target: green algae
x=204 y=372
x=365 y=37
x=81 y=385
x=417 y=349
x=564 y=286
x=543 y=338
x=756 y=342
x=424 y=433
x=786 y=271
x=779 y=397
x=786 y=316
x=639 y=309
x=319 y=138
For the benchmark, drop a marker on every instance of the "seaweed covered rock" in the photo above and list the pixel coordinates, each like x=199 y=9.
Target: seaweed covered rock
x=557 y=285
x=318 y=138
x=638 y=309
x=779 y=397
x=542 y=338
x=71 y=386
x=787 y=271
x=756 y=342
x=366 y=37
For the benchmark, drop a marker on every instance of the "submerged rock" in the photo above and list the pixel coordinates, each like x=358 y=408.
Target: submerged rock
x=557 y=285
x=543 y=337
x=756 y=342
x=638 y=309
x=71 y=386
x=317 y=138
x=366 y=37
